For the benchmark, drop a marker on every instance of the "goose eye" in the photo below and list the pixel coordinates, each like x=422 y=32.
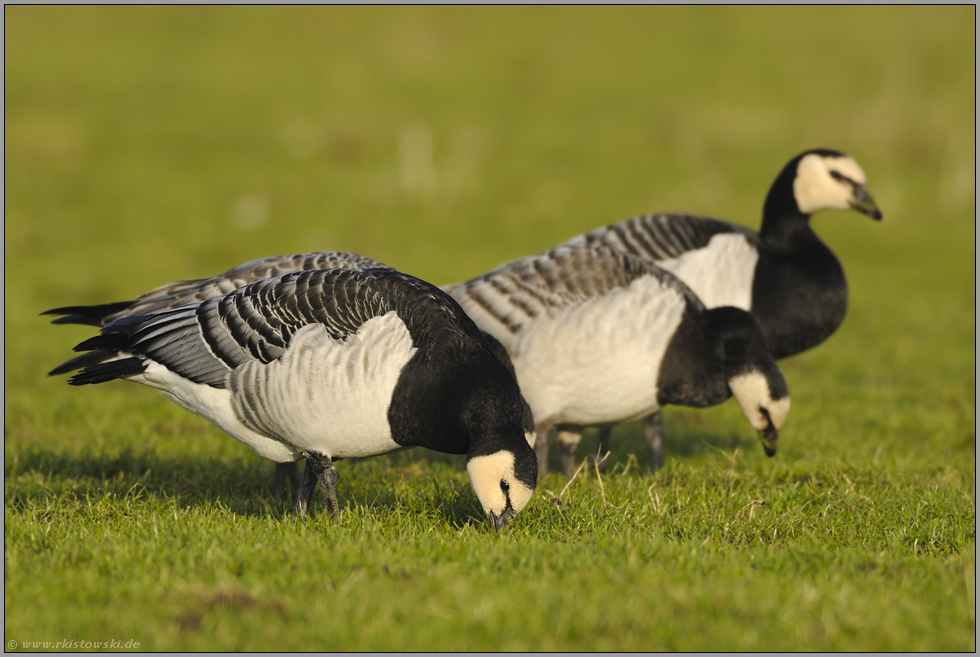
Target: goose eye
x=836 y=175
x=504 y=486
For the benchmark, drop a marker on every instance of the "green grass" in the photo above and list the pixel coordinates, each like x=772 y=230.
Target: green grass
x=143 y=145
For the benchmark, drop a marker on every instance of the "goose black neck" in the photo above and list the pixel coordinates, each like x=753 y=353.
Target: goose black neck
x=495 y=414
x=692 y=372
x=781 y=216
x=741 y=339
x=786 y=233
x=799 y=292
x=458 y=400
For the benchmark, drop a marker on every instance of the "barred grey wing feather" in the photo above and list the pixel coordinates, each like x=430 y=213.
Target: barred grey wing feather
x=174 y=339
x=519 y=291
x=179 y=293
x=205 y=340
x=659 y=236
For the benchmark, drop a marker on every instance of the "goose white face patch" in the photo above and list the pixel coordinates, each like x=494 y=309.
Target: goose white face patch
x=496 y=485
x=751 y=391
x=815 y=188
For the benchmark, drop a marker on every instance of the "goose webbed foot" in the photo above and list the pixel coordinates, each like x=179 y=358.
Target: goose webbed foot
x=319 y=470
x=286 y=472
x=655 y=439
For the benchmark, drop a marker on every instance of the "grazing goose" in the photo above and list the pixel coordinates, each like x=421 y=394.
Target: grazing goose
x=179 y=293
x=784 y=274
x=332 y=364
x=599 y=337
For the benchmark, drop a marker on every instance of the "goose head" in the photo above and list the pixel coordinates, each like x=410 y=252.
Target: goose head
x=765 y=409
x=502 y=465
x=815 y=180
x=828 y=180
x=504 y=481
x=753 y=377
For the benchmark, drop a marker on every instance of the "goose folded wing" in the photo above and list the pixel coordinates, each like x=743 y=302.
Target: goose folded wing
x=523 y=289
x=660 y=236
x=206 y=340
x=179 y=293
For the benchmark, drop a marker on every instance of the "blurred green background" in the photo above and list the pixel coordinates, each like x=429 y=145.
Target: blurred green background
x=149 y=144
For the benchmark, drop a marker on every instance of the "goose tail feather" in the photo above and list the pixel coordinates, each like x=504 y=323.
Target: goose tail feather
x=90 y=315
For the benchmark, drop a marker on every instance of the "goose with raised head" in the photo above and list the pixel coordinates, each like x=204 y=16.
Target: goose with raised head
x=784 y=274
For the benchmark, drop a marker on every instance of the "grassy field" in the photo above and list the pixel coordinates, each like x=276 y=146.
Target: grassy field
x=144 y=145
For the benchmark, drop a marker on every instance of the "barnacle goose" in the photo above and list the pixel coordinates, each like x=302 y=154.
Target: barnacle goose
x=599 y=337
x=784 y=274
x=333 y=364
x=179 y=293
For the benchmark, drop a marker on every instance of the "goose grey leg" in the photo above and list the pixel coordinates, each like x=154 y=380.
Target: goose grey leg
x=319 y=470
x=286 y=472
x=328 y=487
x=306 y=489
x=603 y=449
x=568 y=440
x=541 y=451
x=655 y=439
